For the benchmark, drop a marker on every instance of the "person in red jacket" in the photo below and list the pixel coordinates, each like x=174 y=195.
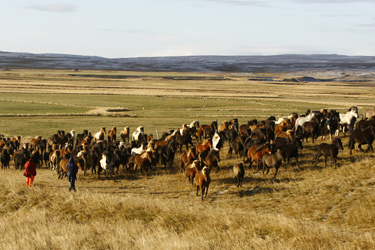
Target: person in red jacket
x=30 y=172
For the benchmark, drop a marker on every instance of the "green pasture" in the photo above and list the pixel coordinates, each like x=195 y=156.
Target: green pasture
x=65 y=98
x=44 y=114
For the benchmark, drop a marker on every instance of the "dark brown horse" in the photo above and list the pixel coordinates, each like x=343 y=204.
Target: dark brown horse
x=272 y=161
x=362 y=137
x=211 y=159
x=311 y=128
x=329 y=150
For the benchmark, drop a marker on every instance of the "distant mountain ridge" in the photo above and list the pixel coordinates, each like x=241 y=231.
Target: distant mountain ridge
x=256 y=64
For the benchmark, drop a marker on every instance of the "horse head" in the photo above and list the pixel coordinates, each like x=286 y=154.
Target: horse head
x=338 y=143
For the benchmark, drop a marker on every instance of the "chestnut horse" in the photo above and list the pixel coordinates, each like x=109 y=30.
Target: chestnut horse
x=282 y=126
x=204 y=147
x=112 y=135
x=125 y=134
x=256 y=153
x=187 y=157
x=144 y=161
x=202 y=180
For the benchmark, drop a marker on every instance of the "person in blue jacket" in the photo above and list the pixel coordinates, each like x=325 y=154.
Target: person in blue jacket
x=72 y=173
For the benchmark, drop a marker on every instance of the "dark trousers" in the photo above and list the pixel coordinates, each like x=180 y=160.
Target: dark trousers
x=72 y=180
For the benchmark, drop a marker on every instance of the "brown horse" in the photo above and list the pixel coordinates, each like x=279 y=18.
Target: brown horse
x=282 y=126
x=112 y=135
x=204 y=147
x=211 y=159
x=329 y=150
x=256 y=153
x=272 y=161
x=206 y=131
x=187 y=157
x=245 y=130
x=62 y=170
x=144 y=161
x=191 y=169
x=125 y=134
x=287 y=134
x=223 y=126
x=202 y=180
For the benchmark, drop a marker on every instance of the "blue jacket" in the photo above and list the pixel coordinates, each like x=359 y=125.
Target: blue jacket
x=72 y=167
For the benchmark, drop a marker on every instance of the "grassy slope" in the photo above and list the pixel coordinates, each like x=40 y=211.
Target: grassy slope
x=304 y=208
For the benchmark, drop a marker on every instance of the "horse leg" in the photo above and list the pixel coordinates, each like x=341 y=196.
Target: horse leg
x=203 y=189
x=317 y=158
x=325 y=161
x=217 y=168
x=369 y=146
x=277 y=169
x=297 y=162
x=334 y=160
x=351 y=145
x=197 y=190
x=230 y=151
x=359 y=146
x=206 y=191
x=268 y=169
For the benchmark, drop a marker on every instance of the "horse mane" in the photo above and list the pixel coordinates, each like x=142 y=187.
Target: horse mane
x=194 y=164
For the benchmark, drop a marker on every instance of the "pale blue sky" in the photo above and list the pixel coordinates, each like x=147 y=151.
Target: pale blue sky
x=122 y=28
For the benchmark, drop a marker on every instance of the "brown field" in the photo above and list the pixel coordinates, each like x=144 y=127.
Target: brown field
x=306 y=208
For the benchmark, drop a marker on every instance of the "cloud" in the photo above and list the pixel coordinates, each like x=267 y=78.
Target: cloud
x=56 y=7
x=332 y=1
x=258 y=3
x=128 y=31
x=366 y=25
x=241 y=2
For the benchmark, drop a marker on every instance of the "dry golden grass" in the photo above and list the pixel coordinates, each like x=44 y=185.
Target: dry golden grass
x=306 y=208
x=311 y=208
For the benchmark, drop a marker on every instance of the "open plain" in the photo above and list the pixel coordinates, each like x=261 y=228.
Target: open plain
x=303 y=208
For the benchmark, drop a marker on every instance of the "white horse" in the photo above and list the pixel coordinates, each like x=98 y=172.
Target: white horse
x=301 y=120
x=137 y=151
x=345 y=119
x=281 y=119
x=215 y=141
x=73 y=134
x=135 y=135
x=105 y=166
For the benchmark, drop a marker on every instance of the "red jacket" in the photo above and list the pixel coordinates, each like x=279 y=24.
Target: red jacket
x=30 y=168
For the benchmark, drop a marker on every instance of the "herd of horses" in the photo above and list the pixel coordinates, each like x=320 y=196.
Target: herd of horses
x=265 y=143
